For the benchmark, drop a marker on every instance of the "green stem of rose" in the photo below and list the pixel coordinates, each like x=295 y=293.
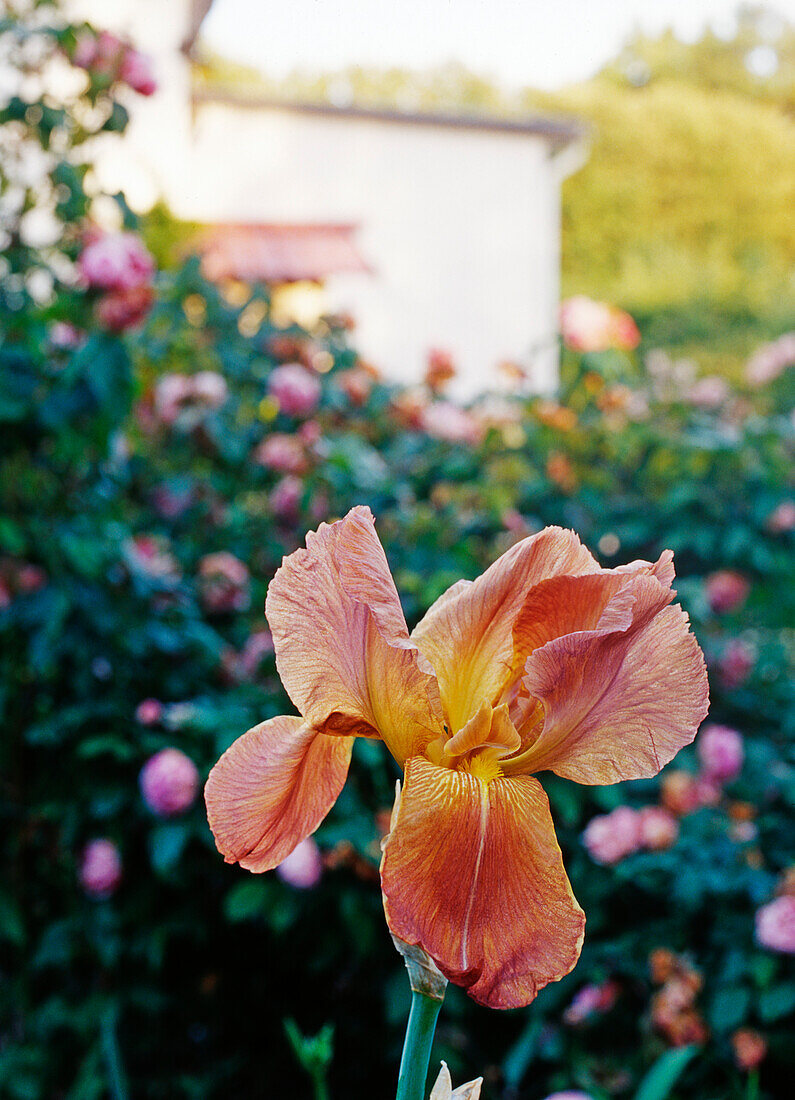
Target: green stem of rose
x=417 y=1046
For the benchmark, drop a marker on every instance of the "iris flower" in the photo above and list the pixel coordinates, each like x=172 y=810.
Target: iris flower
x=544 y=663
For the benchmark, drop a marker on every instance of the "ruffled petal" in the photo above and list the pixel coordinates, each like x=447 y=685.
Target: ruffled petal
x=272 y=788
x=342 y=645
x=467 y=635
x=472 y=872
x=619 y=700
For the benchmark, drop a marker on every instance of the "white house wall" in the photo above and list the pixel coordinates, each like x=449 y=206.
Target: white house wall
x=461 y=226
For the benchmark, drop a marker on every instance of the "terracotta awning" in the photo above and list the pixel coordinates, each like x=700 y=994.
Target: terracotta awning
x=278 y=253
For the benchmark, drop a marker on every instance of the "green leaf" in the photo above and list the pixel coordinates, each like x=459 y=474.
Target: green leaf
x=777 y=1002
x=664 y=1074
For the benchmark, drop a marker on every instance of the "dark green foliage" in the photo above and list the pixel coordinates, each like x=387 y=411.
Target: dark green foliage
x=180 y=983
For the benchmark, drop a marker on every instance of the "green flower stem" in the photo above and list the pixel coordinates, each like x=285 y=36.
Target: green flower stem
x=417 y=1046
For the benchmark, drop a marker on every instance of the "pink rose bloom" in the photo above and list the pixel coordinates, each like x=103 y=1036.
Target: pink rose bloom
x=169 y=783
x=285 y=498
x=282 y=452
x=771 y=360
x=709 y=393
x=726 y=590
x=309 y=433
x=589 y=1001
x=116 y=261
x=209 y=388
x=223 y=582
x=736 y=664
x=444 y=420
x=720 y=750
x=85 y=51
x=782 y=519
x=150 y=555
x=172 y=391
x=303 y=867
x=658 y=828
x=295 y=389
x=30 y=578
x=775 y=925
x=683 y=793
x=119 y=310
x=136 y=70
x=258 y=646
x=65 y=335
x=100 y=868
x=569 y=1095
x=149 y=712
x=611 y=837
x=588 y=326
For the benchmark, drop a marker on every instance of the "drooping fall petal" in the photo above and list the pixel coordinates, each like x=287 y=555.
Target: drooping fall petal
x=473 y=873
x=342 y=645
x=272 y=788
x=619 y=700
x=467 y=633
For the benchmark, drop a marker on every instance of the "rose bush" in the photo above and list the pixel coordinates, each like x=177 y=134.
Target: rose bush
x=144 y=514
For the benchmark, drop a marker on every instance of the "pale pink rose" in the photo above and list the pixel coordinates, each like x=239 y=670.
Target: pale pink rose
x=119 y=310
x=303 y=867
x=150 y=555
x=771 y=360
x=775 y=925
x=172 y=392
x=30 y=578
x=100 y=868
x=709 y=393
x=683 y=793
x=444 y=420
x=136 y=70
x=116 y=261
x=726 y=590
x=258 y=646
x=296 y=389
x=720 y=750
x=85 y=51
x=169 y=783
x=590 y=1001
x=65 y=335
x=736 y=663
x=285 y=498
x=149 y=712
x=282 y=452
x=223 y=583
x=611 y=837
x=309 y=433
x=569 y=1095
x=209 y=388
x=588 y=326
x=658 y=828
x=782 y=519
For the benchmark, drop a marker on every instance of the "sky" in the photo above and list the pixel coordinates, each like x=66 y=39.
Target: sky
x=542 y=43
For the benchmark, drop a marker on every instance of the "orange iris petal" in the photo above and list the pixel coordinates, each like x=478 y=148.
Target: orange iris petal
x=342 y=645
x=272 y=788
x=622 y=699
x=473 y=873
x=467 y=633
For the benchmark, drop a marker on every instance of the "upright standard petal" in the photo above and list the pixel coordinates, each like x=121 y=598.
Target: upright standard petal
x=619 y=700
x=467 y=635
x=473 y=873
x=342 y=645
x=272 y=788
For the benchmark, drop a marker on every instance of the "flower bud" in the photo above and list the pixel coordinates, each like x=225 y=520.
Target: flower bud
x=720 y=750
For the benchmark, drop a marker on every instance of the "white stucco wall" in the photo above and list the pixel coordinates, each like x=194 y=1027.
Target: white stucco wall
x=461 y=226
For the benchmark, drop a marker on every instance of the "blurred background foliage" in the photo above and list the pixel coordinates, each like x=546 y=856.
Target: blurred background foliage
x=132 y=453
